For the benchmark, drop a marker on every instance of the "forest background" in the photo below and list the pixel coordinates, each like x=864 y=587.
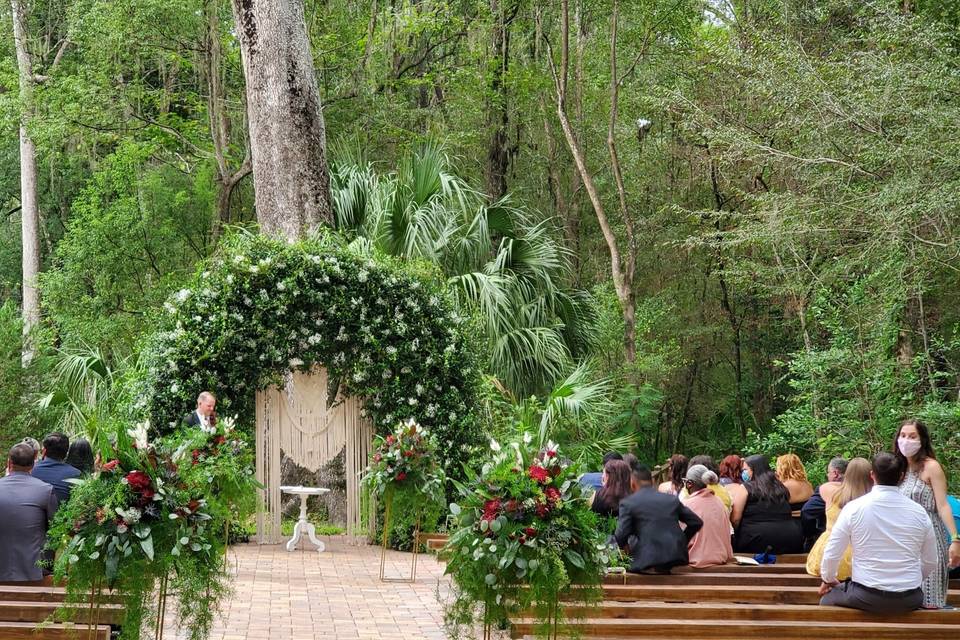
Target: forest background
x=695 y=226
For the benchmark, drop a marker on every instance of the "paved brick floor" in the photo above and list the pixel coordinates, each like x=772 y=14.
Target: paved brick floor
x=334 y=595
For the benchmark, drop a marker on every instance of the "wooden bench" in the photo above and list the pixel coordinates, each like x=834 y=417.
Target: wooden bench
x=34 y=612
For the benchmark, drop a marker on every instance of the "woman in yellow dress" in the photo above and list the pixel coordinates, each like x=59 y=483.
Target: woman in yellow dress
x=856 y=483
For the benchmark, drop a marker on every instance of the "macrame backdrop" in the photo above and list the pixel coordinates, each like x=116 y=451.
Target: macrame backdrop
x=295 y=421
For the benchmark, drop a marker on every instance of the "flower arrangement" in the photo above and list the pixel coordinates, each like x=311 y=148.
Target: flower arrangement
x=405 y=462
x=523 y=534
x=156 y=512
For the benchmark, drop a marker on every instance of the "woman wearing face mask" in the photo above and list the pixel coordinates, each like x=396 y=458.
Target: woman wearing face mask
x=762 y=517
x=926 y=484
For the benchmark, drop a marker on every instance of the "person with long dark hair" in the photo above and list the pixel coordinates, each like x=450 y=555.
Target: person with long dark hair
x=616 y=486
x=926 y=484
x=80 y=456
x=677 y=465
x=762 y=517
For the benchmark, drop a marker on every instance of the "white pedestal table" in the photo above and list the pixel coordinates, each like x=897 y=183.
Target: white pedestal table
x=303 y=525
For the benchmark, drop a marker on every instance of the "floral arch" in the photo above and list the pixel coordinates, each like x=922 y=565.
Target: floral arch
x=387 y=332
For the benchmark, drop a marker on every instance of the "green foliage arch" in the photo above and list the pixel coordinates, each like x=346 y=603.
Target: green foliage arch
x=387 y=331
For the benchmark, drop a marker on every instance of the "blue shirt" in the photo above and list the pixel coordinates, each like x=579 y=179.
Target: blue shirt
x=56 y=473
x=955 y=507
x=592 y=480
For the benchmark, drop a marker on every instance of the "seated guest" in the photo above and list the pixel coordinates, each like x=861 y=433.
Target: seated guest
x=791 y=473
x=205 y=415
x=80 y=456
x=27 y=506
x=955 y=509
x=649 y=524
x=715 y=487
x=34 y=444
x=730 y=470
x=711 y=546
x=595 y=479
x=635 y=467
x=856 y=483
x=677 y=465
x=52 y=469
x=762 y=517
x=813 y=515
x=894 y=547
x=616 y=486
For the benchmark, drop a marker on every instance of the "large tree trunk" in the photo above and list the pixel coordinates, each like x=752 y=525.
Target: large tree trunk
x=498 y=114
x=29 y=210
x=288 y=143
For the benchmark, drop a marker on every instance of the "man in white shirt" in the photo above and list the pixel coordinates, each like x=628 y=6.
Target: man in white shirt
x=204 y=417
x=894 y=547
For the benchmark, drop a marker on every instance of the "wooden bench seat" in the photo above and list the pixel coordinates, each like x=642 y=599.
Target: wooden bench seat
x=685 y=627
x=44 y=594
x=24 y=611
x=723 y=593
x=730 y=611
x=30 y=631
x=752 y=579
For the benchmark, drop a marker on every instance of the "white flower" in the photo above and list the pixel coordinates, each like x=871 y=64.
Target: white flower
x=239 y=259
x=281 y=286
x=412 y=401
x=182 y=295
x=527 y=438
x=254 y=268
x=130 y=516
x=175 y=388
x=230 y=278
x=391 y=350
x=229 y=423
x=420 y=389
x=494 y=445
x=363 y=275
x=139 y=434
x=169 y=307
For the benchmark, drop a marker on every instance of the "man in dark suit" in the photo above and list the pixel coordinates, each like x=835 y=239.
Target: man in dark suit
x=204 y=416
x=27 y=506
x=52 y=469
x=649 y=524
x=813 y=515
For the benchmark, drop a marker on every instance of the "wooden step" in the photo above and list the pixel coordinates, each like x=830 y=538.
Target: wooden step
x=20 y=611
x=754 y=579
x=43 y=594
x=30 y=631
x=686 y=628
x=638 y=610
x=723 y=593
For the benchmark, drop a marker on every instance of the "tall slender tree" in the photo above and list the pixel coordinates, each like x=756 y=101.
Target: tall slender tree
x=291 y=180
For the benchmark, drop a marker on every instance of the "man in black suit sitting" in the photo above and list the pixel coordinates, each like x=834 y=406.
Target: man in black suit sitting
x=649 y=524
x=205 y=416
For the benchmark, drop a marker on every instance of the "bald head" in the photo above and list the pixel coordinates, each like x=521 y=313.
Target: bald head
x=21 y=457
x=206 y=402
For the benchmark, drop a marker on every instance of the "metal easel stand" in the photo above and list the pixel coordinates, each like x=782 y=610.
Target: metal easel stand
x=386 y=539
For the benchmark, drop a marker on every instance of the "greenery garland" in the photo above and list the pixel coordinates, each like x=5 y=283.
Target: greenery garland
x=523 y=535
x=387 y=331
x=155 y=515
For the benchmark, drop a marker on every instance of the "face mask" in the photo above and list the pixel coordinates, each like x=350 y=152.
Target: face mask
x=745 y=475
x=908 y=447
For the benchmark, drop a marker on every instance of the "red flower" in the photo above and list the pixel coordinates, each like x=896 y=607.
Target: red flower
x=552 y=494
x=377 y=457
x=196 y=456
x=538 y=473
x=110 y=466
x=542 y=509
x=138 y=481
x=409 y=453
x=391 y=439
x=490 y=509
x=512 y=505
x=401 y=476
x=530 y=531
x=101 y=515
x=551 y=454
x=219 y=440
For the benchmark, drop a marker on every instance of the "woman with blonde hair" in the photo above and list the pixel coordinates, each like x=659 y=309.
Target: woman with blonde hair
x=856 y=483
x=791 y=473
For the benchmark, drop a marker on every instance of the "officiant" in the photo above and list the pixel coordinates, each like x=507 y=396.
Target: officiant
x=205 y=416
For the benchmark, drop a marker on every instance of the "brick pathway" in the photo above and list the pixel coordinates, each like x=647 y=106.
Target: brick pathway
x=334 y=595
